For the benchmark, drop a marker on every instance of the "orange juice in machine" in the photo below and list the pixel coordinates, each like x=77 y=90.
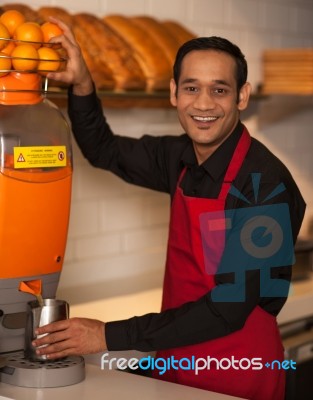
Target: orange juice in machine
x=35 y=195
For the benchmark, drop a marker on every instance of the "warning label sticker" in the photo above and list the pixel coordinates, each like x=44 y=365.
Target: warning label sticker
x=40 y=156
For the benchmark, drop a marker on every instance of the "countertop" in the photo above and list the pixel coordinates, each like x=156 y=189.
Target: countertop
x=109 y=385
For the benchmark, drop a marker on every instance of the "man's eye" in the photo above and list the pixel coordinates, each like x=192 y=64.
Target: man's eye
x=219 y=91
x=191 y=89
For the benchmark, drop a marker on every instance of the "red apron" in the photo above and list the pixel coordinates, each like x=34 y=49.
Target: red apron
x=186 y=280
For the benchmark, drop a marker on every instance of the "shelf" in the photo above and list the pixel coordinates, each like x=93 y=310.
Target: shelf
x=120 y=99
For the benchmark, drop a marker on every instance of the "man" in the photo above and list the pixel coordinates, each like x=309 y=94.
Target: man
x=224 y=185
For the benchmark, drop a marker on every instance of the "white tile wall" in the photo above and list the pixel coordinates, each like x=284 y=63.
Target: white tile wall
x=118 y=231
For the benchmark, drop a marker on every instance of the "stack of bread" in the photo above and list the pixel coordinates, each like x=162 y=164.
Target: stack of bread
x=288 y=71
x=122 y=53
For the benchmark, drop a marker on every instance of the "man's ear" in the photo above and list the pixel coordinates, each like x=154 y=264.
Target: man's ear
x=173 y=93
x=244 y=95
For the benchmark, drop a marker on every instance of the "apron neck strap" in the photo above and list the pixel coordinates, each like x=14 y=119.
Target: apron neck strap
x=235 y=163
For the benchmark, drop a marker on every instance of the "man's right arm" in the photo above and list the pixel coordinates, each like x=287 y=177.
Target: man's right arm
x=139 y=161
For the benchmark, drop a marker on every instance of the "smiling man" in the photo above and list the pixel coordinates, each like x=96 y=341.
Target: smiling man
x=213 y=168
x=208 y=99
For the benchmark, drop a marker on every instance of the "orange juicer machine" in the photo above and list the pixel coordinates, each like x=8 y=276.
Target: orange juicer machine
x=35 y=196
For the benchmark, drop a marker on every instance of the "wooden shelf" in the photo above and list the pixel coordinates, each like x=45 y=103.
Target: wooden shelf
x=120 y=100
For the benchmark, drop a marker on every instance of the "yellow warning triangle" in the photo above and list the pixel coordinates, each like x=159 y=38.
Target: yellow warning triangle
x=21 y=158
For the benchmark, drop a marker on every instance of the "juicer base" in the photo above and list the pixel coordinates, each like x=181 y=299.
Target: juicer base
x=19 y=371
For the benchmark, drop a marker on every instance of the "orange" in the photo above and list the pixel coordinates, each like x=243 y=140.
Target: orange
x=11 y=19
x=5 y=64
x=9 y=48
x=25 y=58
x=50 y=30
x=49 y=60
x=29 y=32
x=4 y=34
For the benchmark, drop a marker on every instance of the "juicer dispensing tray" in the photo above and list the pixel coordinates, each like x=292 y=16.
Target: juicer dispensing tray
x=19 y=371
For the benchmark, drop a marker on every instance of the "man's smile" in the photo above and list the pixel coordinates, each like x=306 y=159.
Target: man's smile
x=204 y=119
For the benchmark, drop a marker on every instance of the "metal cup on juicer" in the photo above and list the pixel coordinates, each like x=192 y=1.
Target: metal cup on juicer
x=40 y=312
x=39 y=315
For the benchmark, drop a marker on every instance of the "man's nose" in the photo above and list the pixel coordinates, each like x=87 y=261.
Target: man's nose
x=204 y=101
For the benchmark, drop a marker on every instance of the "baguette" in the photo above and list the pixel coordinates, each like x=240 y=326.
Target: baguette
x=101 y=73
x=110 y=49
x=146 y=50
x=179 y=32
x=165 y=40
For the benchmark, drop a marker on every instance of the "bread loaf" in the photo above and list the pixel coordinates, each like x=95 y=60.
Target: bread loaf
x=110 y=49
x=101 y=73
x=147 y=52
x=56 y=12
x=168 y=43
x=180 y=33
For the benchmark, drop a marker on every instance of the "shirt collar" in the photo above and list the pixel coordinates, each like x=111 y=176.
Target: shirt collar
x=217 y=163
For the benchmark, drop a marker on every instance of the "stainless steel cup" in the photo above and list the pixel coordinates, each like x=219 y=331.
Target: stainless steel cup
x=52 y=310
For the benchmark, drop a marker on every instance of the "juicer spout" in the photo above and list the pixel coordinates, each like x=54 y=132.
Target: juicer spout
x=32 y=287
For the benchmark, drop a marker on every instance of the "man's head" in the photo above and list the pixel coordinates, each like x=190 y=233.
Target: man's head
x=218 y=44
x=209 y=90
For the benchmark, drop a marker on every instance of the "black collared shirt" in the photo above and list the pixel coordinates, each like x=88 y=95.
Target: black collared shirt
x=156 y=163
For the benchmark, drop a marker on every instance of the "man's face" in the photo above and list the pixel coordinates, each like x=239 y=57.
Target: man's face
x=206 y=99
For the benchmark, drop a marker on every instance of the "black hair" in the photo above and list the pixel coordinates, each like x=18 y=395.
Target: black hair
x=213 y=43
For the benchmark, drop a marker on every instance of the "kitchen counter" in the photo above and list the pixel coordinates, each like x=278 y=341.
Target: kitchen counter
x=109 y=385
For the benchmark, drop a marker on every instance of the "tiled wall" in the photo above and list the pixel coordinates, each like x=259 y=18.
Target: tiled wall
x=118 y=232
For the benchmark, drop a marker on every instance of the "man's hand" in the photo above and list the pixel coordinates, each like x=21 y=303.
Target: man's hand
x=76 y=72
x=74 y=336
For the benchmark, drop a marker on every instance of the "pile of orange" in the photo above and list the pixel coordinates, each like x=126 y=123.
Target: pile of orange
x=24 y=45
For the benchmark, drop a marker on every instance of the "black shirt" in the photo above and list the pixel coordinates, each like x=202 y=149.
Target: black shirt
x=156 y=163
